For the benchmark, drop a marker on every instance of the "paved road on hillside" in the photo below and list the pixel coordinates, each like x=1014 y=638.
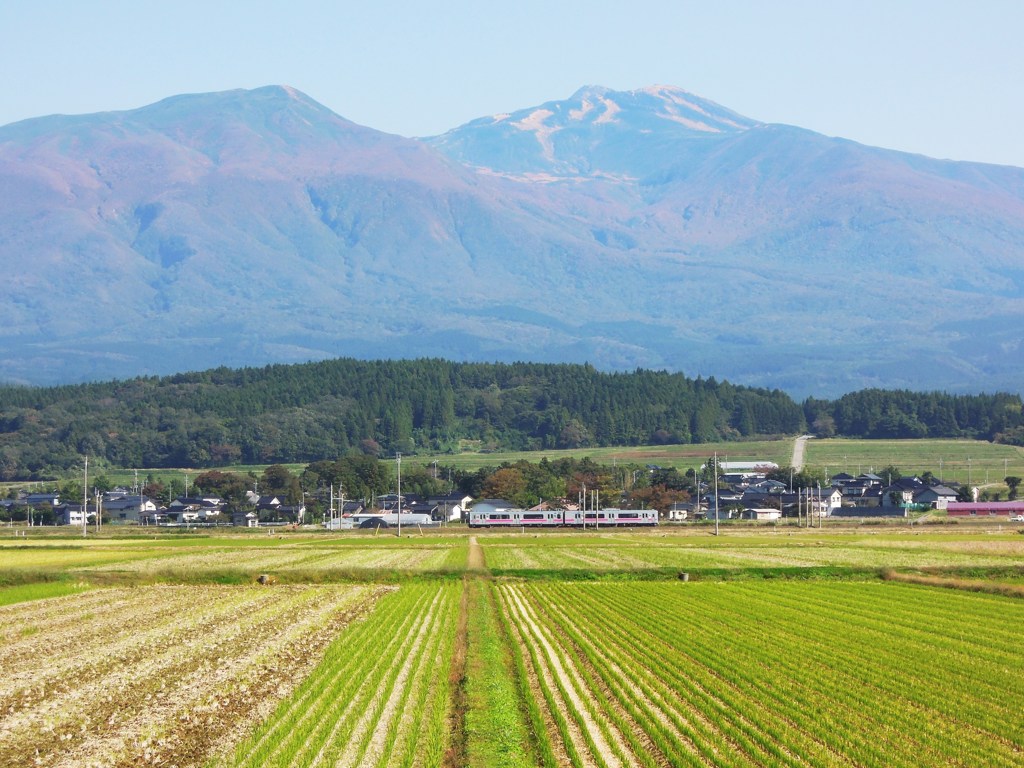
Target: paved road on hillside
x=797 y=462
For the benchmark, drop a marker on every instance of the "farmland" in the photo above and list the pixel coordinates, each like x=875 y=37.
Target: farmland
x=977 y=461
x=125 y=676
x=866 y=646
x=747 y=674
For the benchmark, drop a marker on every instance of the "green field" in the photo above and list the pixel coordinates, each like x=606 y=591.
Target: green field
x=953 y=460
x=784 y=646
x=753 y=674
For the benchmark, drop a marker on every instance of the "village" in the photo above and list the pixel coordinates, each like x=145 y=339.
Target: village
x=743 y=492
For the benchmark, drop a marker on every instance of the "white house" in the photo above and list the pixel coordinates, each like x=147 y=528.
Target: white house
x=454 y=506
x=123 y=508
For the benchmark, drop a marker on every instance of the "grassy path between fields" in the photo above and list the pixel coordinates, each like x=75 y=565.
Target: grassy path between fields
x=495 y=723
x=476 y=562
x=489 y=711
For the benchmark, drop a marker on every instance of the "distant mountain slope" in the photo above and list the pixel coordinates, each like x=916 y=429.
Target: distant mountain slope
x=596 y=133
x=647 y=228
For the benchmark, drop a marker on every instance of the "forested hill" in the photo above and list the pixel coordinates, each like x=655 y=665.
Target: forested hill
x=295 y=413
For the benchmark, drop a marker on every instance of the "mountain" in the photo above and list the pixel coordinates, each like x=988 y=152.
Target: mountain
x=647 y=228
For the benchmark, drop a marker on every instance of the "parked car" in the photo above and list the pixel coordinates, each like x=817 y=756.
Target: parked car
x=1017 y=519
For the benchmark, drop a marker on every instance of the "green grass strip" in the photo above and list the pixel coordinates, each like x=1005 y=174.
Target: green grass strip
x=40 y=591
x=497 y=732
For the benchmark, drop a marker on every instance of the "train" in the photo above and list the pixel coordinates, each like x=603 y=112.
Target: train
x=556 y=518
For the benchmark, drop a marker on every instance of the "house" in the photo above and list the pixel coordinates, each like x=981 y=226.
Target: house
x=832 y=498
x=936 y=496
x=724 y=513
x=198 y=502
x=245 y=518
x=861 y=491
x=389 y=501
x=46 y=498
x=71 y=514
x=725 y=499
x=453 y=506
x=296 y=513
x=271 y=509
x=420 y=509
x=767 y=486
x=156 y=517
x=914 y=492
x=195 y=509
x=742 y=479
x=125 y=508
x=353 y=507
x=763 y=500
x=901 y=492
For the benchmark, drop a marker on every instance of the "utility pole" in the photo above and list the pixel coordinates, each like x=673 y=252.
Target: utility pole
x=85 y=499
x=398 y=461
x=714 y=469
x=584 y=505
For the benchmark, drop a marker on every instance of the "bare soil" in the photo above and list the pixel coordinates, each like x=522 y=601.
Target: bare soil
x=165 y=675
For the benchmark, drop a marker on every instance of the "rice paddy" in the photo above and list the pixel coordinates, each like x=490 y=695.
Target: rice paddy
x=859 y=646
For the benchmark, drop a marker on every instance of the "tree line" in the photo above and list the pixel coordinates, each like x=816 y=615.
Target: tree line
x=314 y=411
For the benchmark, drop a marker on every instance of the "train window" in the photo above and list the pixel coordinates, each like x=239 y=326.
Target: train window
x=533 y=517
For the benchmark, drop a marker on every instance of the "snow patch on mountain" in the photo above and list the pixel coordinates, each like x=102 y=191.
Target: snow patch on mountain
x=610 y=110
x=679 y=102
x=585 y=109
x=535 y=122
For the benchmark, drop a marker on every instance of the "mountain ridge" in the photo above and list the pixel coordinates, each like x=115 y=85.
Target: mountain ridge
x=250 y=227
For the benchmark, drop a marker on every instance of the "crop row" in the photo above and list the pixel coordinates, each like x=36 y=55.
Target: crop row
x=381 y=696
x=771 y=674
x=156 y=674
x=603 y=556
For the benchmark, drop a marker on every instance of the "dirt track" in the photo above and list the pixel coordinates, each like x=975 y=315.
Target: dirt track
x=476 y=556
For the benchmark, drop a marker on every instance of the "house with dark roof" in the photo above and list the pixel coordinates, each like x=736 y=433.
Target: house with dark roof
x=452 y=506
x=126 y=508
x=938 y=496
x=192 y=509
x=71 y=514
x=51 y=498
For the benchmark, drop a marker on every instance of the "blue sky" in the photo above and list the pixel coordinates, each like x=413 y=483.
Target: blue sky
x=937 y=77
